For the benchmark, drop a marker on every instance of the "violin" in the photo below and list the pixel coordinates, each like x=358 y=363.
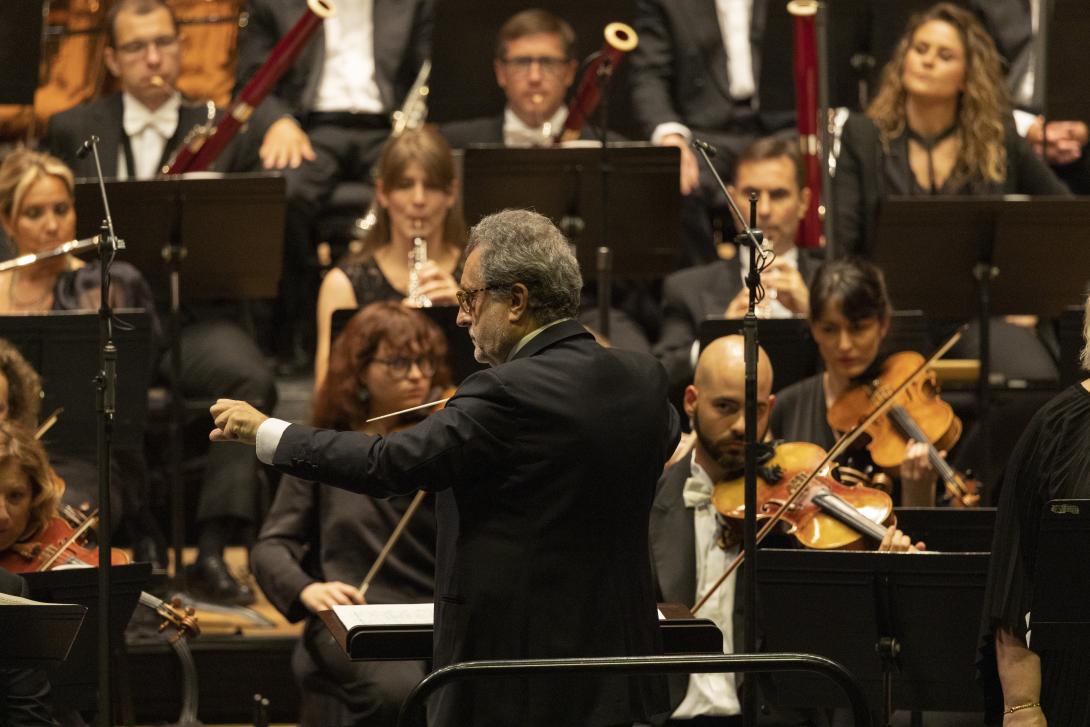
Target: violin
x=917 y=413
x=828 y=515
x=62 y=545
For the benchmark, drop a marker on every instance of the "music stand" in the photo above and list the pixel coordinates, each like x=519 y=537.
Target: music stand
x=877 y=617
x=20 y=50
x=38 y=634
x=981 y=257
x=949 y=529
x=200 y=228
x=62 y=347
x=1060 y=616
x=459 y=345
x=566 y=186
x=787 y=342
x=74 y=684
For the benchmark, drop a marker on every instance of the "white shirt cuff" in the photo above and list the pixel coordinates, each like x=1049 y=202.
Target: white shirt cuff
x=268 y=438
x=1023 y=120
x=670 y=127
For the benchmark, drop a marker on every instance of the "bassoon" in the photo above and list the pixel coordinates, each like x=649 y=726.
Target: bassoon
x=619 y=39
x=204 y=143
x=807 y=109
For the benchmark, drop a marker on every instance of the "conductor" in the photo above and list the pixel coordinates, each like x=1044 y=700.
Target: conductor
x=544 y=467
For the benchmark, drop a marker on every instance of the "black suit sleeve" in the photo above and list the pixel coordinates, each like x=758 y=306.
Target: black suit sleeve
x=679 y=330
x=1031 y=174
x=255 y=43
x=59 y=141
x=460 y=444
x=653 y=67
x=848 y=189
x=290 y=532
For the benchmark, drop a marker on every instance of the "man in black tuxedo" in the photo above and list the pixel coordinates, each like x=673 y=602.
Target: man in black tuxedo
x=535 y=66
x=695 y=73
x=689 y=548
x=327 y=118
x=140 y=127
x=772 y=169
x=544 y=467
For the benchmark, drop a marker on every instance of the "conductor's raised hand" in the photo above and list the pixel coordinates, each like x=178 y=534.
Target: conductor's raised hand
x=236 y=421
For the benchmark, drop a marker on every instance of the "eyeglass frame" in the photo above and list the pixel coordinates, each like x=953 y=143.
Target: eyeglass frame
x=427 y=365
x=140 y=47
x=550 y=65
x=467 y=298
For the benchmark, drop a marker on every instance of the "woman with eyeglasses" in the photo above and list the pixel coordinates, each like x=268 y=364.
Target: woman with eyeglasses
x=318 y=543
x=416 y=194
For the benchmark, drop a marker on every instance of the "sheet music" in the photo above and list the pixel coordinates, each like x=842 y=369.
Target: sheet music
x=385 y=614
x=393 y=614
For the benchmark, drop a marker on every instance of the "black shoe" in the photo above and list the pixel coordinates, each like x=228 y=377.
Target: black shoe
x=209 y=577
x=148 y=550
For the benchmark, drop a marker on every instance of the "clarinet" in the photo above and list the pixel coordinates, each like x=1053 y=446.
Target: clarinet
x=418 y=255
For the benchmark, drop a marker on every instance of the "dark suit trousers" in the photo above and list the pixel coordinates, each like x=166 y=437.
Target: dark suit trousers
x=220 y=360
x=342 y=154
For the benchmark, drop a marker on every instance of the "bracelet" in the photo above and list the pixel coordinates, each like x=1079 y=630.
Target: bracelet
x=1020 y=707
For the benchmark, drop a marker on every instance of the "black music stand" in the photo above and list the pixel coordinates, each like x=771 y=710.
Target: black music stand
x=949 y=529
x=876 y=614
x=566 y=186
x=20 y=50
x=787 y=342
x=459 y=345
x=74 y=684
x=63 y=348
x=38 y=634
x=984 y=257
x=222 y=234
x=1060 y=614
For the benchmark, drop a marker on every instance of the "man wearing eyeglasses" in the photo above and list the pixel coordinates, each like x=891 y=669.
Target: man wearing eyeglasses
x=544 y=468
x=535 y=66
x=140 y=127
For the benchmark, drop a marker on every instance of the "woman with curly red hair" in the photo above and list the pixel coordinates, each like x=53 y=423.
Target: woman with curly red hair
x=318 y=542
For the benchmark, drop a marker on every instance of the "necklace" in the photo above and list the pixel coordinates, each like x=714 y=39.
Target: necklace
x=36 y=303
x=929 y=143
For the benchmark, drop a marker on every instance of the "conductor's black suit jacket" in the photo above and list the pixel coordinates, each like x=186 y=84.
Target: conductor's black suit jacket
x=545 y=468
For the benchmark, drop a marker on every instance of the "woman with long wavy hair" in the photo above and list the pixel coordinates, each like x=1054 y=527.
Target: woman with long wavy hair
x=940 y=124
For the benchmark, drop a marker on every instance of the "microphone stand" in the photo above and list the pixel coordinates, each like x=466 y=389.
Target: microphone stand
x=605 y=252
x=106 y=385
x=753 y=237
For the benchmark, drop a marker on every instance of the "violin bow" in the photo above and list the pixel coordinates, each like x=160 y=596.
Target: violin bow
x=48 y=423
x=835 y=451
x=409 y=511
x=392 y=540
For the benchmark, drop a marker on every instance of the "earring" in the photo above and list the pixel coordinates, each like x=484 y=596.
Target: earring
x=363 y=395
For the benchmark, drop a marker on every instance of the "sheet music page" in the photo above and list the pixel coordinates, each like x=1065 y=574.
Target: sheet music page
x=394 y=614
x=385 y=614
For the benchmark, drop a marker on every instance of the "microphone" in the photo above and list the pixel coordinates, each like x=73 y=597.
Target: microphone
x=86 y=147
x=705 y=147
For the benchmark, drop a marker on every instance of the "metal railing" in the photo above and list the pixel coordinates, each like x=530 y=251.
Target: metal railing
x=412 y=711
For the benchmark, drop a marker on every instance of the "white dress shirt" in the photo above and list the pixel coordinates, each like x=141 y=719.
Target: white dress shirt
x=518 y=135
x=735 y=20
x=148 y=132
x=710 y=694
x=770 y=307
x=348 y=73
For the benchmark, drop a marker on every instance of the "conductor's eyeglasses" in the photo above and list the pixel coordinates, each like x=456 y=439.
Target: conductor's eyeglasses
x=400 y=366
x=140 y=47
x=466 y=298
x=549 y=64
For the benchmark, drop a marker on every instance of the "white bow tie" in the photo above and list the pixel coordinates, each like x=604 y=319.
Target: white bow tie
x=697 y=492
x=138 y=118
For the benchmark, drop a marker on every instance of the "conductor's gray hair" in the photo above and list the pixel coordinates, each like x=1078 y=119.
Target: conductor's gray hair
x=1084 y=356
x=520 y=246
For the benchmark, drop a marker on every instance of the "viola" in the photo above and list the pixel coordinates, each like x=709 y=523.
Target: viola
x=917 y=413
x=828 y=515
